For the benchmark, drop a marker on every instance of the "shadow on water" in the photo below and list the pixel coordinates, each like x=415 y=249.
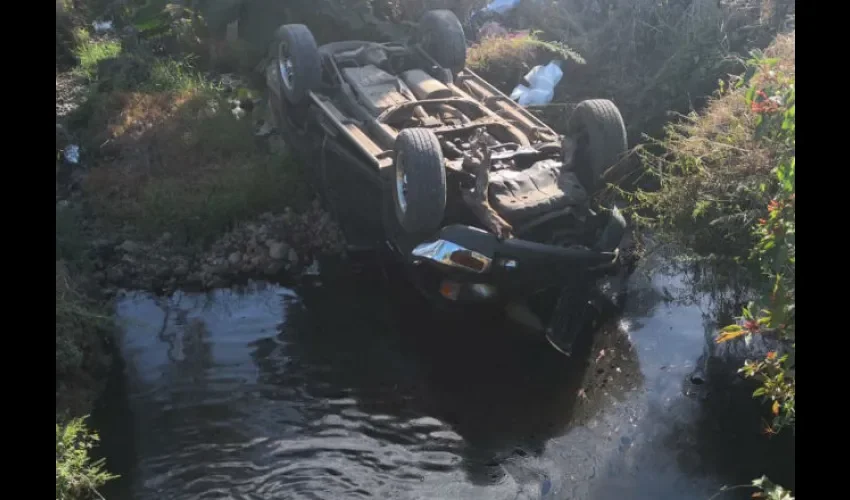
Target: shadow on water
x=354 y=390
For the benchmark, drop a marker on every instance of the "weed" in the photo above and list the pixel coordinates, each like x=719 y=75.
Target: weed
x=504 y=60
x=90 y=53
x=82 y=329
x=77 y=476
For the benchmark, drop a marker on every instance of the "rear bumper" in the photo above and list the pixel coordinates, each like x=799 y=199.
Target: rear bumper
x=465 y=264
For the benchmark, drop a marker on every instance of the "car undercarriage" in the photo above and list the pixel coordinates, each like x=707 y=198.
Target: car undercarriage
x=479 y=198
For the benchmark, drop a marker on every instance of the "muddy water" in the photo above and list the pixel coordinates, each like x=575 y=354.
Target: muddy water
x=351 y=390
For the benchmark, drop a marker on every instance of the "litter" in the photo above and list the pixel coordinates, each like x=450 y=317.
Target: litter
x=542 y=81
x=72 y=154
x=501 y=6
x=102 y=26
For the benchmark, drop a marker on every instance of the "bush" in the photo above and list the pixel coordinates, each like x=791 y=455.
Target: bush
x=504 y=60
x=717 y=169
x=771 y=96
x=651 y=56
x=77 y=476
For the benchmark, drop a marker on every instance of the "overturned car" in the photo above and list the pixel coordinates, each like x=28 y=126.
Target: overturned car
x=479 y=200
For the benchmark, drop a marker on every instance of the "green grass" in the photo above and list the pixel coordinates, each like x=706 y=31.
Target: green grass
x=91 y=52
x=202 y=210
x=194 y=171
x=77 y=476
x=174 y=75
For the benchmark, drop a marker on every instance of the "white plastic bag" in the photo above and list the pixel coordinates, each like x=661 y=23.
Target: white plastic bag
x=542 y=81
x=502 y=6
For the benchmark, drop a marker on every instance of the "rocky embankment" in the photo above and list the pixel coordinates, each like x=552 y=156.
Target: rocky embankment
x=272 y=246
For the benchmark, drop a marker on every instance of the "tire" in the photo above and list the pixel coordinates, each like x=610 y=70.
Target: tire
x=298 y=61
x=599 y=127
x=441 y=35
x=419 y=184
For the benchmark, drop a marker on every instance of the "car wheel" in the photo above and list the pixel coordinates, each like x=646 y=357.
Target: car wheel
x=602 y=142
x=298 y=61
x=419 y=183
x=440 y=34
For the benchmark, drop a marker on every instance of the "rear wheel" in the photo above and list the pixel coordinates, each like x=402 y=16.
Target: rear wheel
x=441 y=35
x=298 y=61
x=602 y=141
x=419 y=185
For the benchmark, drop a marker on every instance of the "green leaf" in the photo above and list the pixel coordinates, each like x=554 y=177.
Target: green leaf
x=750 y=95
x=730 y=332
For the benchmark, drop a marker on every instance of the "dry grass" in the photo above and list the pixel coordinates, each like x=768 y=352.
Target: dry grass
x=504 y=60
x=713 y=169
x=181 y=162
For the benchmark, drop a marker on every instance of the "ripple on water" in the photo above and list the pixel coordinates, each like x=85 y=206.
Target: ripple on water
x=260 y=395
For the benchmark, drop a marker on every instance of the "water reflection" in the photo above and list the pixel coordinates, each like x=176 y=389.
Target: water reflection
x=355 y=390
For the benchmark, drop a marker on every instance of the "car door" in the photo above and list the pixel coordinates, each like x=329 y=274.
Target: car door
x=350 y=182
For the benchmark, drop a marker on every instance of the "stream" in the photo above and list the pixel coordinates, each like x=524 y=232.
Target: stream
x=353 y=389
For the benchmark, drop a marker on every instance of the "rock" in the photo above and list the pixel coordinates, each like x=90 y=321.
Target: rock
x=234 y=258
x=277 y=250
x=130 y=247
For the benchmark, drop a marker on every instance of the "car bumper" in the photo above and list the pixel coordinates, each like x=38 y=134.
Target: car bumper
x=464 y=264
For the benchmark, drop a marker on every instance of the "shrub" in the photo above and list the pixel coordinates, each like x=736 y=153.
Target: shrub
x=650 y=56
x=716 y=169
x=771 y=98
x=504 y=60
x=77 y=476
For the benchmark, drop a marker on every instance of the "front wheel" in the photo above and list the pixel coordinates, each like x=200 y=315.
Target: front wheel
x=419 y=183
